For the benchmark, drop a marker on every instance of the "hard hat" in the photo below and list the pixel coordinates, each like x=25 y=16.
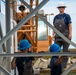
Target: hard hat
x=54 y=48
x=24 y=44
x=61 y=4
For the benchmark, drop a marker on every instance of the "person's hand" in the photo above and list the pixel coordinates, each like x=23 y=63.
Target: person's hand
x=13 y=64
x=70 y=36
x=53 y=34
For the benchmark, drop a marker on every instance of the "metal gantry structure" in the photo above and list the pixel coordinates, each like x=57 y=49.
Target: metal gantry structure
x=10 y=32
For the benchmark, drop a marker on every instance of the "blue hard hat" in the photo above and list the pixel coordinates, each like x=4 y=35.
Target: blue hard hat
x=24 y=44
x=54 y=48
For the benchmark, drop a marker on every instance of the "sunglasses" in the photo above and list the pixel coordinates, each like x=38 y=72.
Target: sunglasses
x=61 y=7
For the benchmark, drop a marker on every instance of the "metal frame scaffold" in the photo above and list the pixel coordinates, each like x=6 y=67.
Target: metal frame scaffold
x=11 y=32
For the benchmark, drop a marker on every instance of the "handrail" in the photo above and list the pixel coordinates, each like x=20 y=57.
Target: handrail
x=38 y=54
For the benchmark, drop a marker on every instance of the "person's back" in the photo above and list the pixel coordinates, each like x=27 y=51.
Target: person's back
x=55 y=70
x=23 y=64
x=55 y=63
x=19 y=65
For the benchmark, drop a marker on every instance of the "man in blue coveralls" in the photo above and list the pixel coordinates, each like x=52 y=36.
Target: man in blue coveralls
x=63 y=23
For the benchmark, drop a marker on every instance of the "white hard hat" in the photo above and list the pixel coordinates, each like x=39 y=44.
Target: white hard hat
x=61 y=4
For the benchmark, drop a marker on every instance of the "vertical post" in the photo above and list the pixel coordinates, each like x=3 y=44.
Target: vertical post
x=8 y=27
x=14 y=9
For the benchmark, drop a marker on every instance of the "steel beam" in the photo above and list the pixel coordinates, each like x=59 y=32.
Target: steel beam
x=8 y=28
x=23 y=21
x=4 y=70
x=38 y=54
x=1 y=35
x=69 y=69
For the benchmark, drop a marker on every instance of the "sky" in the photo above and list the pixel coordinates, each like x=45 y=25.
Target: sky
x=50 y=7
